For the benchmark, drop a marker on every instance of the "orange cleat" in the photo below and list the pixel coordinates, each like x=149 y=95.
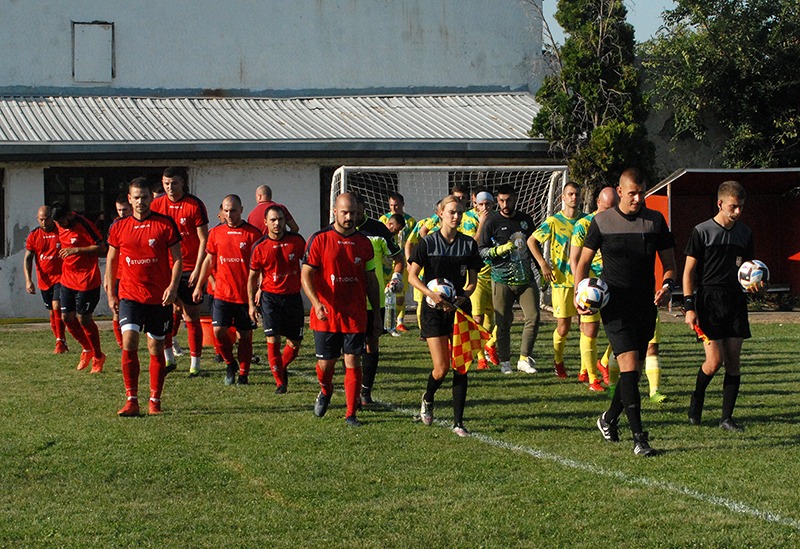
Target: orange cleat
x=401 y=328
x=154 y=407
x=560 y=371
x=603 y=371
x=482 y=364
x=97 y=364
x=61 y=347
x=131 y=408
x=491 y=354
x=86 y=359
x=583 y=377
x=596 y=386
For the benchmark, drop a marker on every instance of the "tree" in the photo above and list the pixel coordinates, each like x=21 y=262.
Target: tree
x=592 y=110
x=736 y=62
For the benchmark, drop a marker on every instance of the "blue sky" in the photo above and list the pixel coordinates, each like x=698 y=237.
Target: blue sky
x=644 y=15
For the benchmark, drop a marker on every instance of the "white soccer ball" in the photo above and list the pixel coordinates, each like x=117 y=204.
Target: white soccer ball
x=441 y=286
x=592 y=294
x=752 y=273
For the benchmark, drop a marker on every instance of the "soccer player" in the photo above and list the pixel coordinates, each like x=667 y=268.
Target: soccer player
x=629 y=236
x=189 y=213
x=449 y=254
x=338 y=278
x=503 y=243
x=123 y=208
x=481 y=298
x=714 y=253
x=557 y=231
x=81 y=244
x=264 y=201
x=42 y=247
x=590 y=324
x=275 y=262
x=397 y=207
x=384 y=248
x=228 y=255
x=141 y=247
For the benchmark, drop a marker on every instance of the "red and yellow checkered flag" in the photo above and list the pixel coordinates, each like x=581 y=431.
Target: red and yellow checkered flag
x=468 y=339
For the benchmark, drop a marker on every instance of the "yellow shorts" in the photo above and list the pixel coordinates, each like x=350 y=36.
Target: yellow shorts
x=481 y=298
x=590 y=318
x=657 y=333
x=564 y=302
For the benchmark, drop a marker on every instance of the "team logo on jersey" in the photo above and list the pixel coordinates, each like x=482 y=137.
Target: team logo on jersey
x=152 y=242
x=183 y=221
x=242 y=245
x=73 y=240
x=524 y=225
x=291 y=257
x=357 y=260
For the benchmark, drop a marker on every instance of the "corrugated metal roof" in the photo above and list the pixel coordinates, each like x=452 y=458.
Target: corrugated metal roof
x=138 y=120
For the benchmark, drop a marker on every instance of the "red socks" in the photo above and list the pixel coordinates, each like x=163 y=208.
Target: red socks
x=289 y=354
x=130 y=372
x=157 y=366
x=225 y=344
x=245 y=355
x=325 y=380
x=195 y=332
x=76 y=330
x=117 y=332
x=276 y=363
x=352 y=389
x=176 y=322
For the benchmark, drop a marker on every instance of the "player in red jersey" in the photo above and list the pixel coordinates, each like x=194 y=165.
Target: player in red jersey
x=275 y=262
x=123 y=208
x=81 y=244
x=338 y=277
x=264 y=201
x=189 y=213
x=228 y=248
x=42 y=246
x=141 y=247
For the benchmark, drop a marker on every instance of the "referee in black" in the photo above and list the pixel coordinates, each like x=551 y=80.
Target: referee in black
x=629 y=237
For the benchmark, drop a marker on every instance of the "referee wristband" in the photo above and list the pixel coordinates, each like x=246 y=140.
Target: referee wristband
x=688 y=303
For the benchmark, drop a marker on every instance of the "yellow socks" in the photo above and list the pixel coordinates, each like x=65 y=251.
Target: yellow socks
x=589 y=356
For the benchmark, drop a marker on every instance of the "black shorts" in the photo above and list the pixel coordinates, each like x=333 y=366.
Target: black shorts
x=722 y=313
x=227 y=314
x=629 y=321
x=51 y=294
x=283 y=315
x=438 y=323
x=184 y=291
x=81 y=302
x=371 y=318
x=155 y=320
x=331 y=345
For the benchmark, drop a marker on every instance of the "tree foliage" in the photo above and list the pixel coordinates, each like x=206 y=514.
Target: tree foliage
x=736 y=62
x=592 y=108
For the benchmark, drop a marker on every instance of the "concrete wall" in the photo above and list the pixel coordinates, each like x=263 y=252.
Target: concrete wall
x=290 y=47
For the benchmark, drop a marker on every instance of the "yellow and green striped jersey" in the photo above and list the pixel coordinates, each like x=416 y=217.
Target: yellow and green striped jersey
x=557 y=229
x=579 y=237
x=403 y=235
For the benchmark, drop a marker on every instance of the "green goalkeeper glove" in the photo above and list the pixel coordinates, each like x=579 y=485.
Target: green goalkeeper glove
x=504 y=249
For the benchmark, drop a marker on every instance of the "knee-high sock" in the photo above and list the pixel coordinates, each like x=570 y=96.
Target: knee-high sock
x=289 y=354
x=157 y=366
x=401 y=307
x=76 y=330
x=433 y=386
x=613 y=370
x=653 y=371
x=93 y=335
x=606 y=358
x=58 y=324
x=459 y=397
x=559 y=342
x=589 y=356
x=130 y=373
x=701 y=384
x=53 y=323
x=275 y=362
x=223 y=337
x=370 y=368
x=351 y=390
x=325 y=379
x=176 y=322
x=117 y=332
x=628 y=389
x=616 y=407
x=730 y=390
x=195 y=332
x=245 y=355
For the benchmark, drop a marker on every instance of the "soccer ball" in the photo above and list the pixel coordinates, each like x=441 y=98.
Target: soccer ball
x=752 y=273
x=592 y=294
x=441 y=286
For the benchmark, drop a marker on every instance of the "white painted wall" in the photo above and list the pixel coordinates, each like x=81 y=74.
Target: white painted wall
x=278 y=45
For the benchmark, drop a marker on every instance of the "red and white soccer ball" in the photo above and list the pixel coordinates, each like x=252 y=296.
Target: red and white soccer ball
x=753 y=273
x=441 y=286
x=592 y=294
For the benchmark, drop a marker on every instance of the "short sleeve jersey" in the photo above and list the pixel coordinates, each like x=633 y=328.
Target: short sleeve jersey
x=451 y=260
x=720 y=252
x=256 y=217
x=278 y=261
x=557 y=229
x=144 y=270
x=629 y=244
x=405 y=232
x=340 y=266
x=189 y=213
x=230 y=248
x=384 y=246
x=80 y=271
x=579 y=237
x=45 y=246
x=515 y=267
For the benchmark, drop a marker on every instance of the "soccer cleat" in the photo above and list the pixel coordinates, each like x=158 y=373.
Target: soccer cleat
x=604 y=372
x=505 y=368
x=86 y=359
x=729 y=425
x=97 y=364
x=131 y=408
x=641 y=447
x=658 y=398
x=352 y=421
x=695 y=410
x=609 y=429
x=596 y=386
x=426 y=412
x=61 y=347
x=154 y=407
x=321 y=404
x=482 y=364
x=194 y=371
x=528 y=366
x=255 y=359
x=401 y=328
x=170 y=367
x=395 y=333
x=460 y=430
x=491 y=354
x=242 y=380
x=280 y=390
x=583 y=377
x=366 y=397
x=558 y=367
x=176 y=348
x=230 y=374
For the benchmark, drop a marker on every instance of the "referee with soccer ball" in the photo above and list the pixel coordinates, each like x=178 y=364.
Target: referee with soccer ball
x=629 y=237
x=716 y=250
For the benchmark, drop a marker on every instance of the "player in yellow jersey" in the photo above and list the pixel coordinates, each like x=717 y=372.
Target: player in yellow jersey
x=396 y=206
x=481 y=298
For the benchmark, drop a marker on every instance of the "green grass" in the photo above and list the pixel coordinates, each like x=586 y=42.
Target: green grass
x=241 y=467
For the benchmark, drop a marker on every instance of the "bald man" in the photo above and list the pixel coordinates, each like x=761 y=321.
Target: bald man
x=263 y=202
